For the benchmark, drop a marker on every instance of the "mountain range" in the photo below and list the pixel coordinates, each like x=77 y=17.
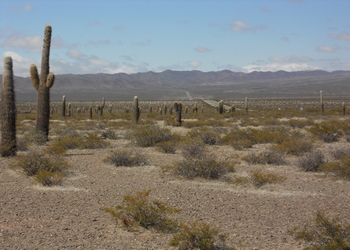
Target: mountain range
x=173 y=85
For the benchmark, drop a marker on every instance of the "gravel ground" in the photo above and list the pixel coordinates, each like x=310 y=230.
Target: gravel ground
x=72 y=216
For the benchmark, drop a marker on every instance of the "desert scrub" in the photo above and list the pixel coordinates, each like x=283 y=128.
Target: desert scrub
x=45 y=169
x=149 y=135
x=109 y=134
x=327 y=131
x=168 y=147
x=204 y=166
x=268 y=157
x=138 y=210
x=311 y=161
x=246 y=138
x=258 y=178
x=294 y=143
x=67 y=142
x=126 y=157
x=204 y=123
x=324 y=233
x=193 y=148
x=208 y=136
x=340 y=168
x=33 y=136
x=199 y=235
x=300 y=123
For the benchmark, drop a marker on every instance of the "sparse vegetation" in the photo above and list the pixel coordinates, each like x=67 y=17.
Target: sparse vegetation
x=126 y=157
x=138 y=210
x=149 y=135
x=324 y=234
x=258 y=178
x=268 y=157
x=312 y=161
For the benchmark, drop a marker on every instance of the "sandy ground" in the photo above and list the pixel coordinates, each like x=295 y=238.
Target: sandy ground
x=72 y=216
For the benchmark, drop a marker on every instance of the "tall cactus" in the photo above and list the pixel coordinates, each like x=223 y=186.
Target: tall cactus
x=64 y=106
x=8 y=111
x=178 y=111
x=221 y=107
x=321 y=101
x=136 y=109
x=101 y=106
x=43 y=84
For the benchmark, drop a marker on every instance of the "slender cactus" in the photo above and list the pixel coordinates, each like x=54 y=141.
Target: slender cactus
x=64 y=106
x=101 y=106
x=43 y=84
x=136 y=109
x=343 y=108
x=321 y=101
x=246 y=104
x=178 y=111
x=8 y=111
x=90 y=111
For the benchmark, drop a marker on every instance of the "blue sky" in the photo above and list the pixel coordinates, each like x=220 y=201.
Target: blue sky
x=112 y=36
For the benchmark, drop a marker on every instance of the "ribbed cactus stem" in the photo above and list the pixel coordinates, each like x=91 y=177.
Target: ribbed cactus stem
x=8 y=111
x=321 y=101
x=246 y=104
x=64 y=106
x=90 y=111
x=101 y=106
x=221 y=107
x=343 y=108
x=178 y=111
x=136 y=109
x=43 y=84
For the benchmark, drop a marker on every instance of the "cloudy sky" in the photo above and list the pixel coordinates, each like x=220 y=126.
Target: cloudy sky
x=112 y=36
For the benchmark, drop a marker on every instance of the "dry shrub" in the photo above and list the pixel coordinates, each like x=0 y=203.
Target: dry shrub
x=199 y=235
x=269 y=157
x=193 y=148
x=325 y=233
x=300 y=123
x=294 y=145
x=93 y=141
x=327 y=131
x=311 y=161
x=208 y=136
x=34 y=136
x=149 y=135
x=68 y=142
x=204 y=166
x=340 y=168
x=258 y=178
x=109 y=134
x=138 y=210
x=46 y=169
x=126 y=157
x=204 y=123
x=168 y=147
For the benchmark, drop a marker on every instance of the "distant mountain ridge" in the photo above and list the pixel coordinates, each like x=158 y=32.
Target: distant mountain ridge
x=172 y=84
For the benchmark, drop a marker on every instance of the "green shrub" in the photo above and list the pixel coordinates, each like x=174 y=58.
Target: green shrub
x=45 y=169
x=138 y=210
x=68 y=142
x=269 y=157
x=33 y=136
x=324 y=234
x=198 y=235
x=340 y=168
x=300 y=123
x=205 y=166
x=126 y=157
x=149 y=135
x=109 y=134
x=93 y=141
x=311 y=161
x=294 y=146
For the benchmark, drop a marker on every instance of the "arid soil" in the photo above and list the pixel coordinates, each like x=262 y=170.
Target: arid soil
x=72 y=216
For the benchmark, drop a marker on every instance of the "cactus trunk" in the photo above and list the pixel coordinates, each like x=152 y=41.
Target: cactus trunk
x=8 y=111
x=136 y=109
x=43 y=84
x=64 y=106
x=221 y=107
x=178 y=111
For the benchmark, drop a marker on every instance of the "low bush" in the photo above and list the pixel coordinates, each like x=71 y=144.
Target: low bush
x=327 y=131
x=126 y=157
x=268 y=157
x=149 y=135
x=311 y=161
x=109 y=134
x=258 y=179
x=340 y=168
x=138 y=210
x=93 y=141
x=168 y=147
x=33 y=136
x=204 y=166
x=206 y=135
x=193 y=148
x=68 y=142
x=199 y=235
x=325 y=233
x=46 y=169
x=300 y=123
x=294 y=145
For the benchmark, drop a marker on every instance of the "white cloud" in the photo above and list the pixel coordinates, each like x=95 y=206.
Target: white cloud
x=20 y=64
x=202 y=50
x=276 y=67
x=28 y=43
x=342 y=36
x=239 y=25
x=327 y=49
x=74 y=54
x=291 y=59
x=194 y=64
